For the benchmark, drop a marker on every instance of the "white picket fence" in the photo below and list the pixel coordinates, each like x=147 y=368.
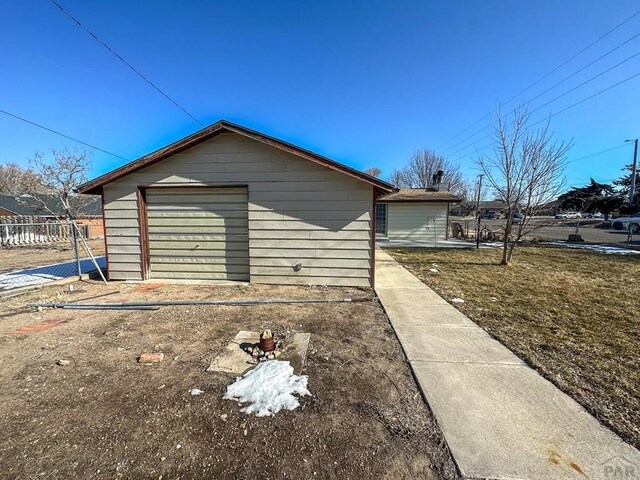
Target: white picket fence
x=28 y=230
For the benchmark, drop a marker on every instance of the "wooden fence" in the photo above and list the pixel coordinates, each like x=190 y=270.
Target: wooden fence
x=28 y=230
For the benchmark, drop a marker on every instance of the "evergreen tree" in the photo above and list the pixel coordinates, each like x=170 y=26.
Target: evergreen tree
x=594 y=197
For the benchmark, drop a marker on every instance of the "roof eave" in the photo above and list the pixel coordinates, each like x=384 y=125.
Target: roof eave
x=95 y=186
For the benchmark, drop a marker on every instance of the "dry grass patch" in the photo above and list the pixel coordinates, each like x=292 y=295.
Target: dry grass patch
x=28 y=256
x=573 y=315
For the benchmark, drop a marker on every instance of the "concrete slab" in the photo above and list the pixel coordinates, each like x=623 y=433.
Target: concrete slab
x=506 y=421
x=430 y=316
x=235 y=360
x=500 y=418
x=452 y=344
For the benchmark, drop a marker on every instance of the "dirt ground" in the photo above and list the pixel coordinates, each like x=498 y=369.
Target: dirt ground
x=573 y=315
x=19 y=257
x=106 y=416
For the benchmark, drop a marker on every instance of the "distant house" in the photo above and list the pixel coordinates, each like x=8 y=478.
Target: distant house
x=48 y=206
x=88 y=208
x=419 y=214
x=492 y=206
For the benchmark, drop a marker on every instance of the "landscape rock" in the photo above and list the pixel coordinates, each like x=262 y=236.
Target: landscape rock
x=63 y=363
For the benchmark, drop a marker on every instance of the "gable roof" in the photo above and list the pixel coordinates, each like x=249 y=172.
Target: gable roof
x=492 y=205
x=420 y=195
x=95 y=186
x=28 y=205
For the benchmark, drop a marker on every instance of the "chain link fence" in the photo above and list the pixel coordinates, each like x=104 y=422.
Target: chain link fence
x=39 y=250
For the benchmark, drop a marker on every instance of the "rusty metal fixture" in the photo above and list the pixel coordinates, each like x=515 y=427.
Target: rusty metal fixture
x=266 y=341
x=267 y=345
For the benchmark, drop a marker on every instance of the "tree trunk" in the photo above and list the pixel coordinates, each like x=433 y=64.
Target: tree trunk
x=506 y=256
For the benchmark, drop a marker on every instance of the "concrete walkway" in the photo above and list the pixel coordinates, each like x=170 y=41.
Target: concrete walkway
x=500 y=418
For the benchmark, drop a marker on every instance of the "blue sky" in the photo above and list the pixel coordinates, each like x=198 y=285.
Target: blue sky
x=363 y=82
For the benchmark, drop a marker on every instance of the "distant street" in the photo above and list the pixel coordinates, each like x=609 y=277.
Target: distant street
x=548 y=228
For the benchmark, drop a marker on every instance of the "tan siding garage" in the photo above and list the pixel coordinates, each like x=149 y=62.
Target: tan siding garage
x=228 y=203
x=415 y=214
x=198 y=233
x=425 y=222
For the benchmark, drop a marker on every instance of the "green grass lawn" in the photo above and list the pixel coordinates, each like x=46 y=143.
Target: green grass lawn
x=571 y=314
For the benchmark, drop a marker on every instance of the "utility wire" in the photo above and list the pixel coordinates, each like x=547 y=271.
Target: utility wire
x=60 y=134
x=602 y=37
x=137 y=72
x=588 y=98
x=550 y=101
x=631 y=77
x=559 y=83
x=599 y=153
x=586 y=81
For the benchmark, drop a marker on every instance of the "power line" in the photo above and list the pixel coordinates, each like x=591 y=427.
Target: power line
x=587 y=81
x=60 y=134
x=577 y=54
x=631 y=77
x=588 y=98
x=598 y=153
x=557 y=84
x=97 y=39
x=550 y=101
x=602 y=37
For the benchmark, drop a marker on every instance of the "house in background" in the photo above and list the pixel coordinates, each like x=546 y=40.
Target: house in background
x=231 y=204
x=89 y=209
x=415 y=214
x=492 y=206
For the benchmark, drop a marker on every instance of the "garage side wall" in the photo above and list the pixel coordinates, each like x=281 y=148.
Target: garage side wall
x=299 y=212
x=418 y=221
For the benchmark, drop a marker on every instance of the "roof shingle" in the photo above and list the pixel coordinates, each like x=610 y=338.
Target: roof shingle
x=420 y=195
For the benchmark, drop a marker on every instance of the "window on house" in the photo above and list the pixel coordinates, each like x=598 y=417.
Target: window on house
x=381 y=218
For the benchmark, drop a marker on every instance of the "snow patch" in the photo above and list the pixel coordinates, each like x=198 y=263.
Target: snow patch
x=433 y=270
x=457 y=300
x=607 y=249
x=492 y=244
x=268 y=388
x=195 y=392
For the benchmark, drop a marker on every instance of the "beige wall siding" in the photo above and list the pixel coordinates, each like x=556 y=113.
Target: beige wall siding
x=415 y=221
x=299 y=212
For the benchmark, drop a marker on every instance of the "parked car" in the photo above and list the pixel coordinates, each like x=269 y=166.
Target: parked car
x=631 y=222
x=517 y=218
x=569 y=215
x=490 y=215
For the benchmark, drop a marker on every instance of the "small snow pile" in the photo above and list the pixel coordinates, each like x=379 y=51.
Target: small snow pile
x=607 y=249
x=457 y=300
x=433 y=270
x=195 y=392
x=268 y=388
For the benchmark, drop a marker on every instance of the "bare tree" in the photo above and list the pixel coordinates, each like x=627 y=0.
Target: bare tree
x=60 y=175
x=526 y=171
x=397 y=178
x=422 y=166
x=15 y=180
x=373 y=171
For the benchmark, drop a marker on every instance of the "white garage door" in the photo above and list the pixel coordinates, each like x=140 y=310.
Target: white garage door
x=198 y=233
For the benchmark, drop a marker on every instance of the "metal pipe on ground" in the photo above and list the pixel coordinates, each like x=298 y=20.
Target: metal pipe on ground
x=175 y=303
x=106 y=306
